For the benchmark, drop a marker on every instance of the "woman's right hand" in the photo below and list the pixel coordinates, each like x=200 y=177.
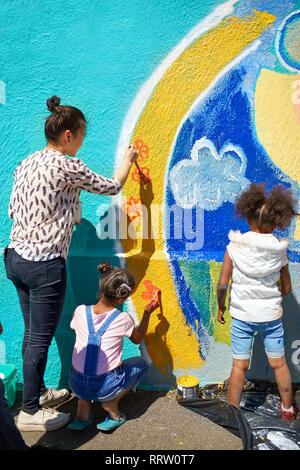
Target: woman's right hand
x=131 y=154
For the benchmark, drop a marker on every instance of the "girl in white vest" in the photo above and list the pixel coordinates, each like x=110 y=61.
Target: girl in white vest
x=254 y=262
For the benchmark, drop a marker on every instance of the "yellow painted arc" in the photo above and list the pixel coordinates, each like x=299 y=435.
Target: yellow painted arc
x=170 y=341
x=277 y=124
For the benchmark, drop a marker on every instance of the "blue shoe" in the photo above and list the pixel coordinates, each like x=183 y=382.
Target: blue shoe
x=77 y=425
x=109 y=424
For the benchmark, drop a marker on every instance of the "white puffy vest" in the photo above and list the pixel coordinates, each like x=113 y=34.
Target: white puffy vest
x=257 y=259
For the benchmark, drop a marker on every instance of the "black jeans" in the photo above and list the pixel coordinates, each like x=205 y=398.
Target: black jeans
x=41 y=287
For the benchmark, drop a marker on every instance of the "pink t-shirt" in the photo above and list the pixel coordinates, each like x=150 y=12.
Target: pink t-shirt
x=110 y=353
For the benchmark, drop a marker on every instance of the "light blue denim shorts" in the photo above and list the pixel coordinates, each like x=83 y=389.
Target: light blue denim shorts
x=242 y=334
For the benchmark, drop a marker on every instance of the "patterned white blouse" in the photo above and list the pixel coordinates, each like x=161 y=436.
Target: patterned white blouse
x=46 y=187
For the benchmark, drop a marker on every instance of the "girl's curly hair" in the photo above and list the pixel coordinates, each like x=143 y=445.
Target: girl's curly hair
x=274 y=209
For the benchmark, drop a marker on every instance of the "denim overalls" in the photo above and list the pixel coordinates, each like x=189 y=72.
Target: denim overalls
x=94 y=341
x=104 y=387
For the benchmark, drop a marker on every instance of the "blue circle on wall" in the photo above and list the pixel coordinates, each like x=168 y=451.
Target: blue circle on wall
x=288 y=42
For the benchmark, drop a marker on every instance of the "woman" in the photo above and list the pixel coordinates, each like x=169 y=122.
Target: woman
x=43 y=206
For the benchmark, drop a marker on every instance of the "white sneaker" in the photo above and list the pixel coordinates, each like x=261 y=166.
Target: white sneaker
x=53 y=397
x=43 y=420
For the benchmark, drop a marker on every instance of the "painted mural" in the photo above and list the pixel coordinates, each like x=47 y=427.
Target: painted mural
x=209 y=92
x=221 y=111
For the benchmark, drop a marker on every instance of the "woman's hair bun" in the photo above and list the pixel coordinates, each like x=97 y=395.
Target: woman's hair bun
x=52 y=103
x=104 y=267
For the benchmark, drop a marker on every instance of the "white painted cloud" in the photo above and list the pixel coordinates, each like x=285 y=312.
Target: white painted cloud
x=209 y=179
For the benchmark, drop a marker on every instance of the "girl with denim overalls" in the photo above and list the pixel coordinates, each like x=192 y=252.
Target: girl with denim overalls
x=98 y=372
x=257 y=265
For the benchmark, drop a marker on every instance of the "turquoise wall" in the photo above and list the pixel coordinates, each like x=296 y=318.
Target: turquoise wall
x=97 y=55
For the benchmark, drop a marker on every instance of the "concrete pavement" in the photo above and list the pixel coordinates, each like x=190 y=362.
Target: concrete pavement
x=155 y=421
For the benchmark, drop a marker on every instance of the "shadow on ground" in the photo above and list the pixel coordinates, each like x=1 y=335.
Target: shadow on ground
x=133 y=405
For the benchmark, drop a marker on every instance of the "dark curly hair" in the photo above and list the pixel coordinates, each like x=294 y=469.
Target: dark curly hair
x=116 y=283
x=62 y=118
x=275 y=209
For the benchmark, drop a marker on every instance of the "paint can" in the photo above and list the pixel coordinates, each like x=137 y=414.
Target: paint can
x=188 y=387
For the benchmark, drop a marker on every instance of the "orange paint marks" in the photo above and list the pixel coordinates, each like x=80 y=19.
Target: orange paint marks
x=151 y=290
x=134 y=210
x=141 y=175
x=143 y=150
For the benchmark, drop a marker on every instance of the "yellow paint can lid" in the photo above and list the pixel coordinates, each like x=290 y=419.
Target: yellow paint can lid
x=188 y=381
